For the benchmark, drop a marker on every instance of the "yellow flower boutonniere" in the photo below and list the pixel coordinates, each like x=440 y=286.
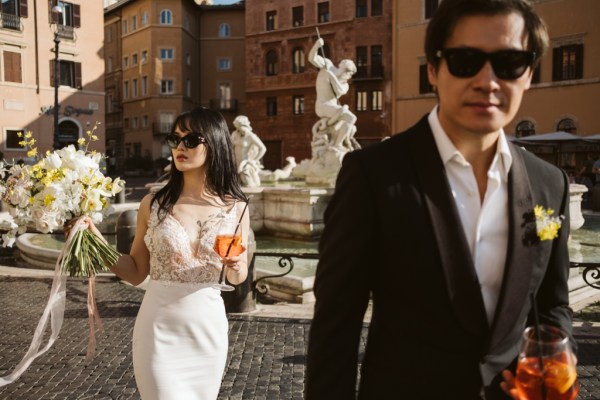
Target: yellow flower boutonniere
x=547 y=225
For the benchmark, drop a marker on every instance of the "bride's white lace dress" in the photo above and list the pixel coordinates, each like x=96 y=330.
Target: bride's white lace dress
x=180 y=336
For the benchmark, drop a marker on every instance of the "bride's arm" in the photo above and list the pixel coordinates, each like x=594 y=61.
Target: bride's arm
x=237 y=270
x=135 y=266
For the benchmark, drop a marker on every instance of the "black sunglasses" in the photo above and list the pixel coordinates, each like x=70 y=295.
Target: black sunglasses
x=466 y=62
x=190 y=141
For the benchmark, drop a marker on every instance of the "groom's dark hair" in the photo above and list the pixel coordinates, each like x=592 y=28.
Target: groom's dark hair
x=449 y=12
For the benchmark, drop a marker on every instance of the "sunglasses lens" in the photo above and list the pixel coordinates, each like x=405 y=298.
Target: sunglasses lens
x=172 y=141
x=511 y=64
x=191 y=141
x=464 y=63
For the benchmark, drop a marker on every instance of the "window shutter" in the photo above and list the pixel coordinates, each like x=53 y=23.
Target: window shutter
x=52 y=17
x=76 y=15
x=12 y=67
x=556 y=64
x=579 y=61
x=52 y=73
x=23 y=8
x=77 y=75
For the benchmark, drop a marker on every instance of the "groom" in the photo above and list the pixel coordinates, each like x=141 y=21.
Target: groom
x=436 y=226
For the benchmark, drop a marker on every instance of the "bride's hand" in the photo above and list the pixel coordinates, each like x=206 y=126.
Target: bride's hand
x=85 y=220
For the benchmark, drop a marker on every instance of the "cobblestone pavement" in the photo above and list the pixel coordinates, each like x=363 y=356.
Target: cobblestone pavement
x=266 y=356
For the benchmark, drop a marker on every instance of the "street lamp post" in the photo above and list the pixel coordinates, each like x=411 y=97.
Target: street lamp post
x=57 y=11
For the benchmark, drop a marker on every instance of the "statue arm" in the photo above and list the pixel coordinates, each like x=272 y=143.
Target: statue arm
x=313 y=55
x=262 y=149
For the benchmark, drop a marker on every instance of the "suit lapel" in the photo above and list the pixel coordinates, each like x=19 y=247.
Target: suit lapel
x=461 y=280
x=520 y=256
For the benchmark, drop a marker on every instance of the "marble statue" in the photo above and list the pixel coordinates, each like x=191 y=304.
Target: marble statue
x=249 y=150
x=333 y=134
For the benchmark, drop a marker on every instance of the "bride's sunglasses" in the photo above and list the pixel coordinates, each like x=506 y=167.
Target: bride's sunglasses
x=466 y=62
x=190 y=141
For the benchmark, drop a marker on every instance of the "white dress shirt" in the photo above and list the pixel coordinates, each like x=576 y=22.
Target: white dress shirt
x=485 y=223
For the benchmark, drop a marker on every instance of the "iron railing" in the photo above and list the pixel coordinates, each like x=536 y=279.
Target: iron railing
x=9 y=21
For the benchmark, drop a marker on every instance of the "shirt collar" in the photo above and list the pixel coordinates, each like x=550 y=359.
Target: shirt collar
x=448 y=152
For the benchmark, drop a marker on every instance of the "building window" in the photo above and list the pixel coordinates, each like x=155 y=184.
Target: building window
x=424 y=85
x=361 y=61
x=125 y=28
x=12 y=11
x=430 y=7
x=145 y=18
x=134 y=22
x=125 y=90
x=110 y=103
x=376 y=61
x=144 y=56
x=298 y=16
x=224 y=30
x=12 y=67
x=224 y=93
x=125 y=62
x=70 y=73
x=567 y=62
x=377 y=100
x=271 y=63
x=188 y=88
x=109 y=64
x=134 y=88
x=224 y=64
x=376 y=8
x=145 y=121
x=109 y=34
x=126 y=123
x=166 y=54
x=134 y=59
x=298 y=104
x=525 y=128
x=144 y=85
x=166 y=86
x=567 y=125
x=271 y=106
x=166 y=122
x=12 y=140
x=323 y=12
x=535 y=77
x=361 y=101
x=70 y=16
x=166 y=17
x=361 y=8
x=298 y=60
x=134 y=123
x=271 y=20
x=188 y=59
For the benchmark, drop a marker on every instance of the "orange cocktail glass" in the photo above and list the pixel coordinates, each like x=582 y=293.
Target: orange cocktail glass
x=557 y=380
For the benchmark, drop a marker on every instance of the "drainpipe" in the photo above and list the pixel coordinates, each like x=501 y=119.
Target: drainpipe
x=37 y=58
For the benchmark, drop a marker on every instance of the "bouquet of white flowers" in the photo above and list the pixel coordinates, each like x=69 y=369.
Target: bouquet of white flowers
x=64 y=185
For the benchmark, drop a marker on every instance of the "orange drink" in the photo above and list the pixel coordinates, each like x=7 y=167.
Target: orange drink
x=559 y=378
x=223 y=242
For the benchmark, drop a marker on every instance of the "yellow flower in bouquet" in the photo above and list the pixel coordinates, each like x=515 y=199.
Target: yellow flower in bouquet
x=64 y=185
x=547 y=225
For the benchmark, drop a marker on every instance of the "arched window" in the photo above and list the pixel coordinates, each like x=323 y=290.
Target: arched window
x=224 y=30
x=298 y=60
x=166 y=17
x=567 y=125
x=525 y=128
x=271 y=63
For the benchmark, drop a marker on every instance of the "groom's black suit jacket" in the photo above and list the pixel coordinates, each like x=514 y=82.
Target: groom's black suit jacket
x=392 y=231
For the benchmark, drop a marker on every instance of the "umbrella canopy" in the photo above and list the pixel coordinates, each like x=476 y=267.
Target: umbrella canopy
x=548 y=138
x=592 y=138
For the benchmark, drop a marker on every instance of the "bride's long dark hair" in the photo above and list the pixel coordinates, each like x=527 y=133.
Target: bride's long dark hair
x=222 y=178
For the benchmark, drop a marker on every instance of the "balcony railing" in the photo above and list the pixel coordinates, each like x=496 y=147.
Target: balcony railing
x=224 y=104
x=161 y=128
x=9 y=21
x=66 y=32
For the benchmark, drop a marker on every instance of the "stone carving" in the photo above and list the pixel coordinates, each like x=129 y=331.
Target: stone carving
x=249 y=150
x=333 y=134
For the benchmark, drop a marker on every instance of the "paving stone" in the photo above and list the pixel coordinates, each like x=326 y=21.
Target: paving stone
x=266 y=359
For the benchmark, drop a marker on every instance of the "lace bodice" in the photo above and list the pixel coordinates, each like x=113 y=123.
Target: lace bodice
x=172 y=258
